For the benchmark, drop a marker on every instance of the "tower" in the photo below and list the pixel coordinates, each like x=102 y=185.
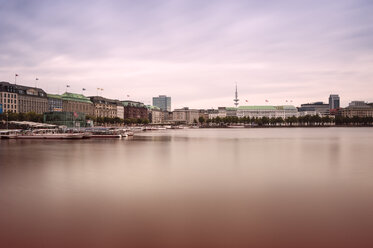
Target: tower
x=334 y=101
x=236 y=100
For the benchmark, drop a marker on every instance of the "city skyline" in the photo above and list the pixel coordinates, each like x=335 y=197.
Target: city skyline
x=192 y=51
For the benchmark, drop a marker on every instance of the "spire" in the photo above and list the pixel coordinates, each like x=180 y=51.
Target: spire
x=236 y=100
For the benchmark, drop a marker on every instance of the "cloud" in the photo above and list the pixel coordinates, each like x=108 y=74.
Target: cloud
x=192 y=50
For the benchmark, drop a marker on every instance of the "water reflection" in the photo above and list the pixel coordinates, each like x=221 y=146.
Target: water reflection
x=190 y=188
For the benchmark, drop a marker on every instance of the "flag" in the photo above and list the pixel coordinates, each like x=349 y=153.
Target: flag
x=67 y=86
x=267 y=100
x=247 y=101
x=286 y=100
x=36 y=78
x=128 y=95
x=75 y=115
x=83 y=89
x=16 y=75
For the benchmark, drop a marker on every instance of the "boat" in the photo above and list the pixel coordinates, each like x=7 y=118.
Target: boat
x=48 y=134
x=9 y=134
x=106 y=133
x=236 y=126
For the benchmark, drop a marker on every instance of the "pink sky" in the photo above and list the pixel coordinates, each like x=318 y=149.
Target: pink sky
x=192 y=51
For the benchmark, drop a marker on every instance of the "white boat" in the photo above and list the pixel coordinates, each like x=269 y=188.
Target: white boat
x=107 y=133
x=47 y=134
x=9 y=134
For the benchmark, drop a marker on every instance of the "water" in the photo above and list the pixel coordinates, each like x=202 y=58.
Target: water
x=191 y=188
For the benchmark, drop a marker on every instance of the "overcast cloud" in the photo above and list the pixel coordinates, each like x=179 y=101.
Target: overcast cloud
x=193 y=50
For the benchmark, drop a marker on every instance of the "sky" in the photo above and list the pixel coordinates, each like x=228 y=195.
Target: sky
x=194 y=51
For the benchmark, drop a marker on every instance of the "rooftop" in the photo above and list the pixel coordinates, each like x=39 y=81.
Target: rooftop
x=54 y=96
x=75 y=97
x=256 y=108
x=268 y=107
x=133 y=103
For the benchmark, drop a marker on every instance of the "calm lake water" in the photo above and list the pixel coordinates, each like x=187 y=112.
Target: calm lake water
x=300 y=187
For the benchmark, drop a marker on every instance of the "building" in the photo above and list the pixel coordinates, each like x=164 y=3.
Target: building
x=267 y=111
x=8 y=98
x=315 y=108
x=22 y=99
x=104 y=107
x=212 y=113
x=222 y=112
x=69 y=119
x=358 y=109
x=185 y=115
x=231 y=111
x=155 y=115
x=163 y=102
x=334 y=102
x=134 y=110
x=203 y=113
x=167 y=117
x=77 y=103
x=54 y=103
x=31 y=99
x=358 y=104
x=120 y=109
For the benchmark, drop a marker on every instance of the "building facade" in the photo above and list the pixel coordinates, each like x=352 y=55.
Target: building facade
x=334 y=102
x=358 y=109
x=69 y=119
x=155 y=115
x=134 y=110
x=185 y=115
x=104 y=107
x=231 y=111
x=8 y=98
x=163 y=102
x=54 y=103
x=120 y=109
x=31 y=99
x=77 y=103
x=267 y=111
x=315 y=108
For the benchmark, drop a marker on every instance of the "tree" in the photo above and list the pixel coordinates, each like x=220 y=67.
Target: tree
x=279 y=120
x=201 y=119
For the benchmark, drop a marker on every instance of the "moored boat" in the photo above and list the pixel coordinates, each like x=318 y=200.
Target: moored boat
x=106 y=133
x=9 y=134
x=51 y=136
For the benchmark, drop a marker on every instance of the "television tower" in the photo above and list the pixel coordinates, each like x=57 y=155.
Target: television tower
x=236 y=100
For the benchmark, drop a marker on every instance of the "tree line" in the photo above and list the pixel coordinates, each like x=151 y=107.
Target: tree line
x=30 y=116
x=307 y=120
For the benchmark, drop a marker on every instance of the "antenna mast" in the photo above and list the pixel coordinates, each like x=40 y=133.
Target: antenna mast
x=236 y=100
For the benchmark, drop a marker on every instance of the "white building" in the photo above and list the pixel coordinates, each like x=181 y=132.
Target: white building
x=120 y=110
x=267 y=111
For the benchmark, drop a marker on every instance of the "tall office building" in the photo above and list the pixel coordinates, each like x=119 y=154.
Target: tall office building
x=334 y=102
x=163 y=102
